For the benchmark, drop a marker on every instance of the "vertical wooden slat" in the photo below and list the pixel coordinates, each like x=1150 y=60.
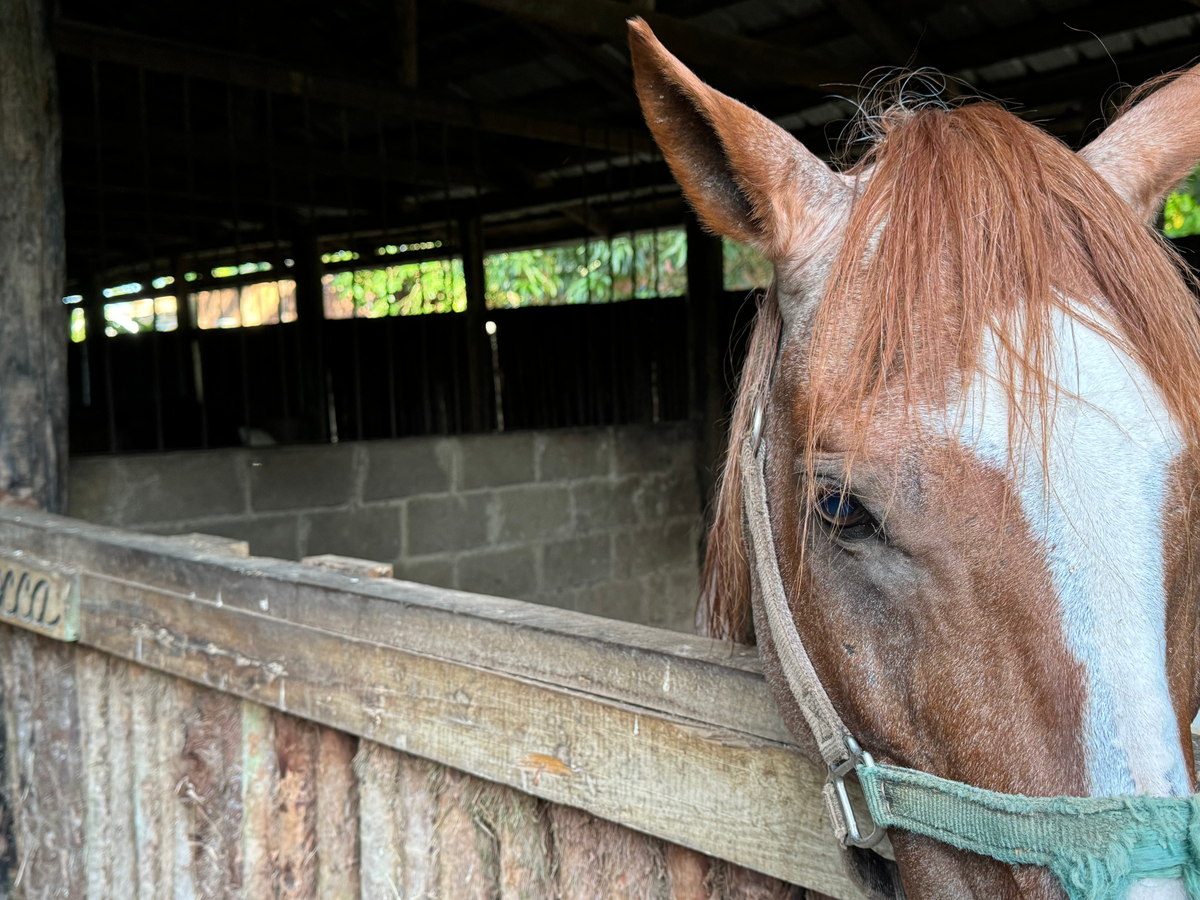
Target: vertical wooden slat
x=211 y=788
x=468 y=853
x=296 y=743
x=598 y=860
x=381 y=841
x=48 y=801
x=526 y=858
x=743 y=884
x=337 y=817
x=158 y=785
x=260 y=801
x=93 y=712
x=122 y=834
x=106 y=732
x=420 y=784
x=687 y=872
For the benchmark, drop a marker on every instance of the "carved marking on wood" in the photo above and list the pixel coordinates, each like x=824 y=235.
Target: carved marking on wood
x=40 y=596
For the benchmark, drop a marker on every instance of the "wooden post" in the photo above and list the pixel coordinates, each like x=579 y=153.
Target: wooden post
x=33 y=329
x=310 y=316
x=478 y=365
x=706 y=394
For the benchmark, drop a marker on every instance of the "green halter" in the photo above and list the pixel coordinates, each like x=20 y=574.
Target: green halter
x=1096 y=846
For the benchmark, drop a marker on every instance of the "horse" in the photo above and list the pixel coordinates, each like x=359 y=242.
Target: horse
x=976 y=380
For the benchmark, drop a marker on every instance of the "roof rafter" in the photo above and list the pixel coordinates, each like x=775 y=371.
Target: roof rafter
x=154 y=54
x=746 y=59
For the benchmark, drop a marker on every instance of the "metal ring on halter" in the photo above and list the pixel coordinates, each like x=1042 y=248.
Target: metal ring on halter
x=837 y=777
x=756 y=427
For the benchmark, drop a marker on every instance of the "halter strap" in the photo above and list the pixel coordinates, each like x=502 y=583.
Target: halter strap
x=1096 y=846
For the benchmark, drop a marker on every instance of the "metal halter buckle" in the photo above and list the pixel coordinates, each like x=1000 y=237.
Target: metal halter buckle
x=756 y=427
x=837 y=777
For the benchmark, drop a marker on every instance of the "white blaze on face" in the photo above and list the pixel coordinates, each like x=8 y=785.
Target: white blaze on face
x=1099 y=511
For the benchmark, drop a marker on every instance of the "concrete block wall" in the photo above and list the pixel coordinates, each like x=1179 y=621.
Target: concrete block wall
x=601 y=520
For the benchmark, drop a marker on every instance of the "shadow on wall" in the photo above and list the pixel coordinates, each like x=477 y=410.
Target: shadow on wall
x=601 y=520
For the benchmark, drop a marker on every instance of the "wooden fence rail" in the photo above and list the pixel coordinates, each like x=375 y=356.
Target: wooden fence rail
x=230 y=726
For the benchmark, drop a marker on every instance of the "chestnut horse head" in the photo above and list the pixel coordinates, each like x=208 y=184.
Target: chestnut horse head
x=980 y=371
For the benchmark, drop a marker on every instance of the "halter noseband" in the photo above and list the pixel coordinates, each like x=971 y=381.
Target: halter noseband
x=1096 y=846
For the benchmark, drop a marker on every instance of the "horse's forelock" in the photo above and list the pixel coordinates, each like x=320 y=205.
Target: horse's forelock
x=973 y=223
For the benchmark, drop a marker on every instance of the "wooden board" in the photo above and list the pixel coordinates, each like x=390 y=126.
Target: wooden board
x=665 y=734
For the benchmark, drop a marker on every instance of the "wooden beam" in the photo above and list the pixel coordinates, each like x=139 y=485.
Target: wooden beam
x=110 y=45
x=877 y=31
x=669 y=734
x=748 y=60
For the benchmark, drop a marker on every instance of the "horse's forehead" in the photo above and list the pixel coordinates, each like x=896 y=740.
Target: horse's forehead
x=1093 y=478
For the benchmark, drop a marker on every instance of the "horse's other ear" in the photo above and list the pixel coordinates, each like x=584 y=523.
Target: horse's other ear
x=746 y=177
x=1153 y=146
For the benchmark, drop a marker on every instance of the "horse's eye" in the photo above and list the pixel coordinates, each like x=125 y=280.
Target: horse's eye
x=845 y=514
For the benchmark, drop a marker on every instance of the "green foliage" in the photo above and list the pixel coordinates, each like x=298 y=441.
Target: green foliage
x=649 y=264
x=745 y=268
x=1181 y=215
x=432 y=286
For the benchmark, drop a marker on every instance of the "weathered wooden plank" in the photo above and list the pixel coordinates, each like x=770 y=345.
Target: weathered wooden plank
x=296 y=753
x=420 y=783
x=526 y=858
x=708 y=789
x=687 y=873
x=260 y=801
x=468 y=855
x=211 y=789
x=45 y=748
x=337 y=817
x=349 y=565
x=106 y=730
x=381 y=834
x=598 y=860
x=680 y=675
x=161 y=790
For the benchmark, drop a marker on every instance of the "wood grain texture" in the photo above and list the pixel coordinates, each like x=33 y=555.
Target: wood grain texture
x=44 y=750
x=598 y=860
x=337 y=817
x=296 y=754
x=468 y=854
x=522 y=825
x=697 y=786
x=665 y=734
x=260 y=803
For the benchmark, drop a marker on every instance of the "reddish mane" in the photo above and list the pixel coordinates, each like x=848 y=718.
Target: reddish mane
x=964 y=219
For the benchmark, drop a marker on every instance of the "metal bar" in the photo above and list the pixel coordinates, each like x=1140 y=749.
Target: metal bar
x=100 y=331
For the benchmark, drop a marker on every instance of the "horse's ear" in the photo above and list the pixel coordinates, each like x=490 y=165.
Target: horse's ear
x=746 y=177
x=1145 y=152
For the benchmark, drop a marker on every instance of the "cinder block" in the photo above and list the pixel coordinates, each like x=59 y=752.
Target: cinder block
x=586 y=453
x=579 y=561
x=623 y=600
x=274 y=535
x=671 y=600
x=364 y=533
x=407 y=467
x=446 y=522
x=657 y=448
x=654 y=548
x=437 y=571
x=160 y=487
x=531 y=512
x=606 y=503
x=500 y=573
x=668 y=495
x=495 y=460
x=301 y=477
